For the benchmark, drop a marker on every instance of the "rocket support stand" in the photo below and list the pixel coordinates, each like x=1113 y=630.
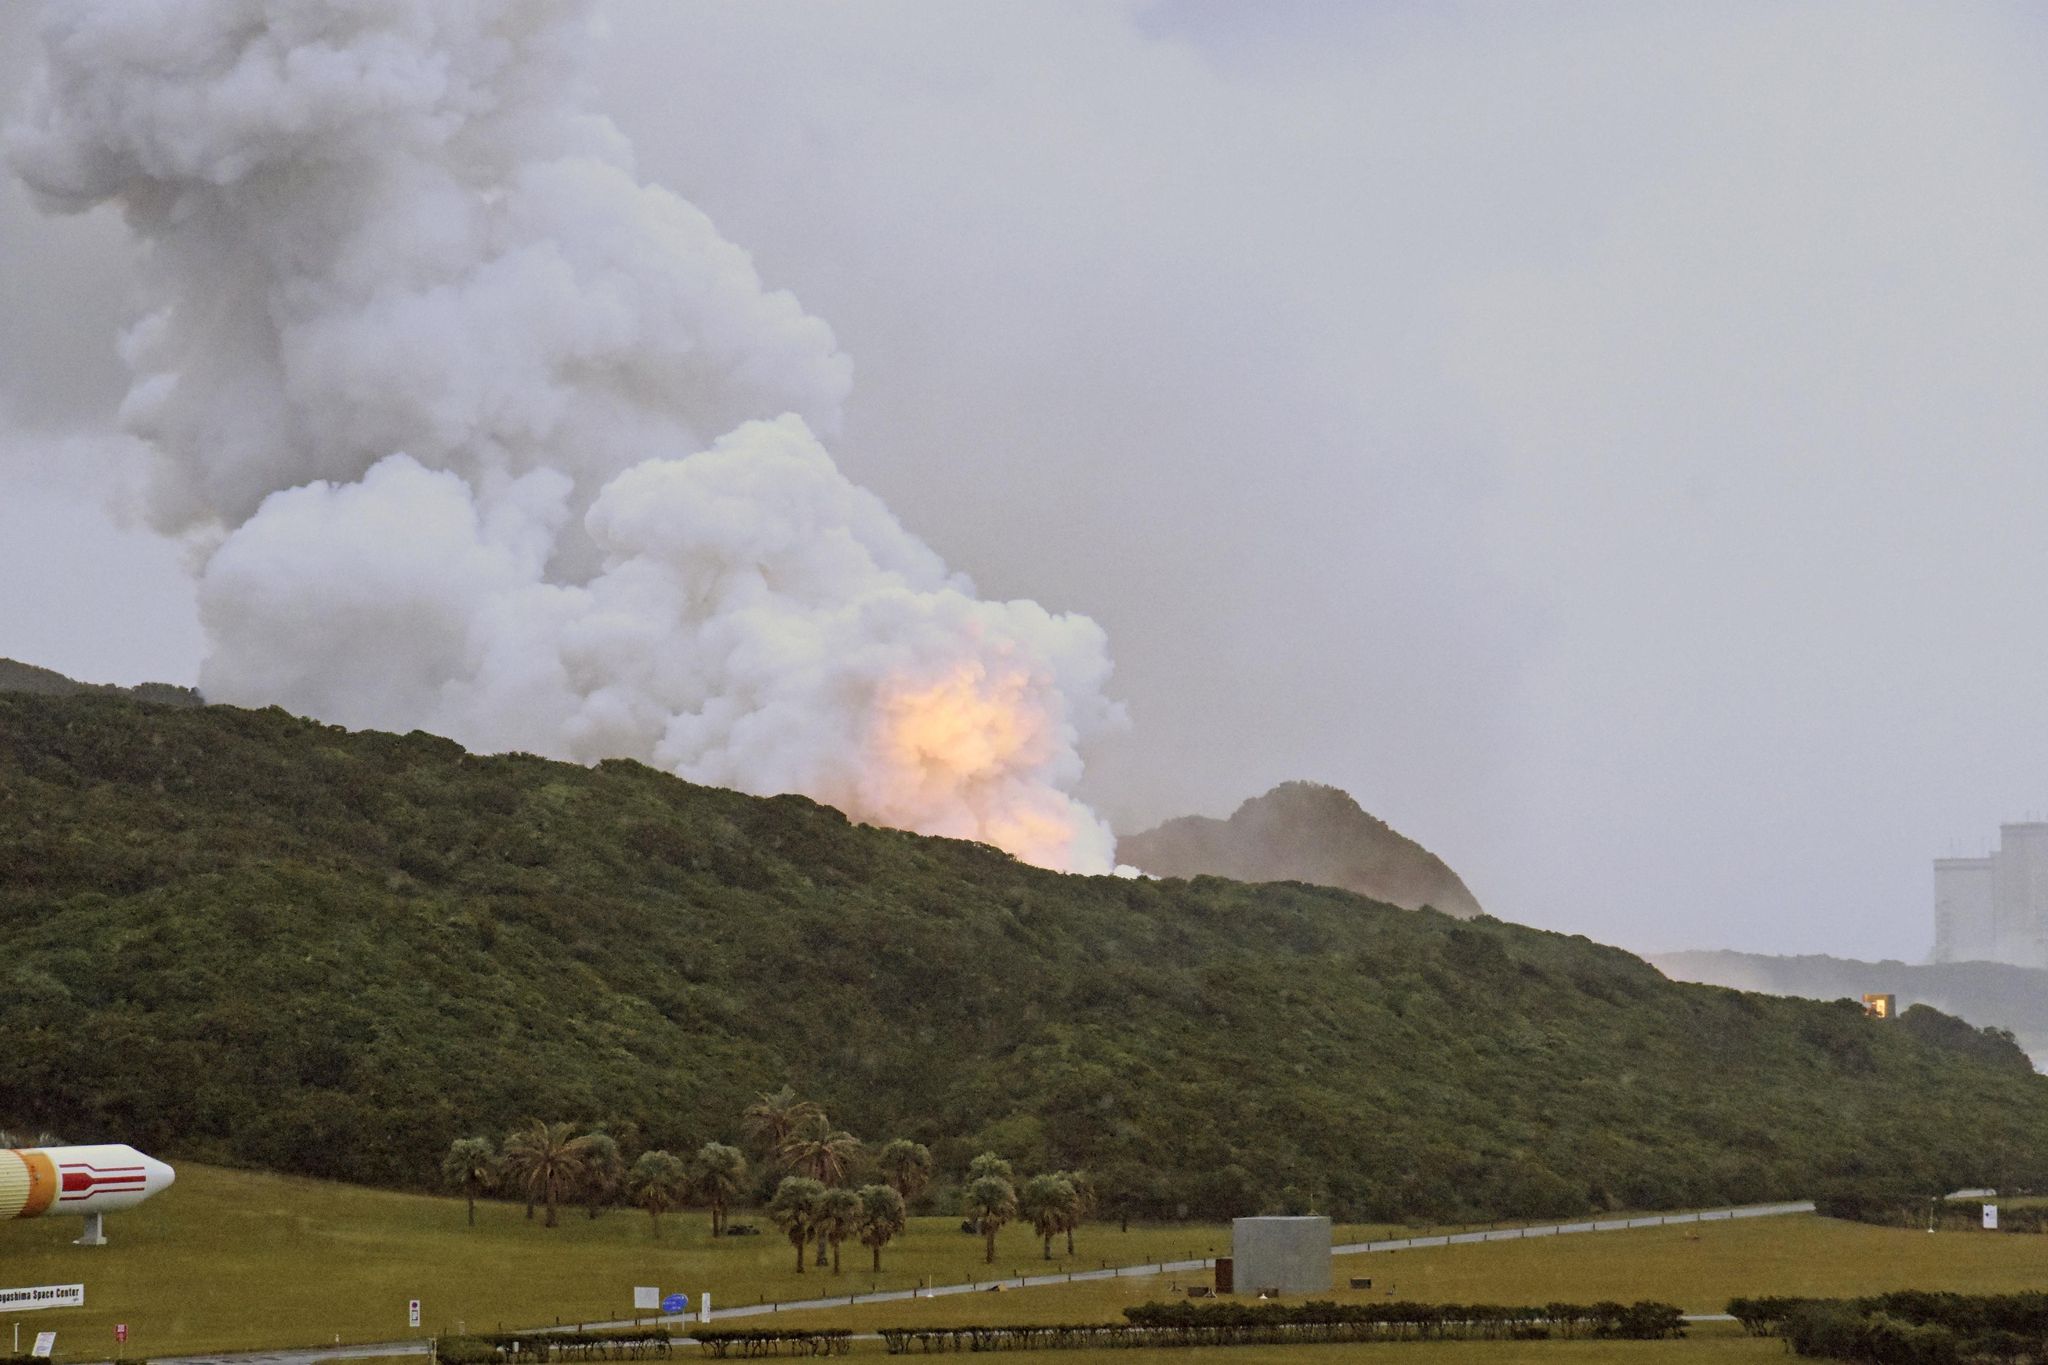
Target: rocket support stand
x=95 y=1233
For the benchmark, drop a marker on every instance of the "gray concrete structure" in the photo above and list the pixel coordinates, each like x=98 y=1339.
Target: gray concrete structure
x=1995 y=908
x=1291 y=1255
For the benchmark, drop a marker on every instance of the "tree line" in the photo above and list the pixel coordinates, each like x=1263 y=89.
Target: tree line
x=822 y=1198
x=1908 y=1327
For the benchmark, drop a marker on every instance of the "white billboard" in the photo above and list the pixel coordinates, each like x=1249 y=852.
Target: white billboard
x=42 y=1296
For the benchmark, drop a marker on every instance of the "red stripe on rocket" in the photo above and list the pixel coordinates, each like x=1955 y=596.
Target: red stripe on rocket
x=39 y=1180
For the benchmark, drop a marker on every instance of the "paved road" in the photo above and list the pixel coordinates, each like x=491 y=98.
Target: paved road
x=309 y=1355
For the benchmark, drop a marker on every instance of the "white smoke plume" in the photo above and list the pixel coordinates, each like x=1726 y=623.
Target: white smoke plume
x=486 y=437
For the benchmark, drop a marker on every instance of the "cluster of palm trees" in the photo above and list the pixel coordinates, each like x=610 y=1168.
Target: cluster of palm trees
x=1053 y=1203
x=812 y=1204
x=815 y=1204
x=550 y=1164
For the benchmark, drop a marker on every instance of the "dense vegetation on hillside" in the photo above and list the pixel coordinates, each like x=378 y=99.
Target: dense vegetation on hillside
x=246 y=937
x=1303 y=832
x=1994 y=994
x=20 y=677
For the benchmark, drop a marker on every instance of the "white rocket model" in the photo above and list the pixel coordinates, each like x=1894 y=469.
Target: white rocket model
x=89 y=1181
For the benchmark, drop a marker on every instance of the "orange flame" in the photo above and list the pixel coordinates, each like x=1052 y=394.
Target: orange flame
x=961 y=755
x=963 y=728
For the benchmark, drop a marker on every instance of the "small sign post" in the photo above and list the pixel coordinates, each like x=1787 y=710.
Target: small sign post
x=1991 y=1217
x=412 y=1313
x=121 y=1333
x=676 y=1303
x=704 y=1313
x=646 y=1298
x=46 y=1342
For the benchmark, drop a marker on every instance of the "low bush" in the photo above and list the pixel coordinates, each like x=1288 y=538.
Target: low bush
x=834 y=1341
x=1247 y=1324
x=1910 y=1327
x=540 y=1348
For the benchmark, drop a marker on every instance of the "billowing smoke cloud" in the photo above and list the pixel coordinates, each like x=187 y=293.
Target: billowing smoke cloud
x=488 y=438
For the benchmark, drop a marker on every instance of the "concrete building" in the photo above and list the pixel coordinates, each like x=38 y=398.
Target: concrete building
x=1995 y=908
x=1291 y=1255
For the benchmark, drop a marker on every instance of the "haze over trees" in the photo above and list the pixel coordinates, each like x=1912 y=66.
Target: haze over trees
x=335 y=953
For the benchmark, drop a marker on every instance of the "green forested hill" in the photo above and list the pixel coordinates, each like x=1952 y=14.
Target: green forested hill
x=16 y=676
x=245 y=937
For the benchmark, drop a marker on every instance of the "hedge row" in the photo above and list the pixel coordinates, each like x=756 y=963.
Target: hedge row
x=1643 y=1321
x=626 y=1343
x=1230 y=1324
x=1915 y=1211
x=829 y=1342
x=1912 y=1327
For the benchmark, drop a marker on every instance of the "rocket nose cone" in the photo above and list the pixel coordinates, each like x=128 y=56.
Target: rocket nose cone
x=156 y=1175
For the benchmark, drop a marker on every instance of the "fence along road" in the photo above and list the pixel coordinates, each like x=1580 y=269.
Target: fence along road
x=404 y=1348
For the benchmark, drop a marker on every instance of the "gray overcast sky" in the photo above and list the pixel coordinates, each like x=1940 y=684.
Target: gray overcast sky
x=1606 y=439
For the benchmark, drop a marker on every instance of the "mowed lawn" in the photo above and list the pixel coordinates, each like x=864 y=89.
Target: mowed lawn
x=1711 y=1347
x=230 y=1259
x=1699 y=1267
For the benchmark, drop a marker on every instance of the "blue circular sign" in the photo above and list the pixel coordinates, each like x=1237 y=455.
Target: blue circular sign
x=676 y=1303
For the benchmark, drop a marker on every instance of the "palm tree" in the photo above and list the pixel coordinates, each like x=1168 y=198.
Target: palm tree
x=546 y=1160
x=1083 y=1202
x=882 y=1218
x=772 y=1118
x=906 y=1165
x=721 y=1172
x=838 y=1219
x=822 y=1155
x=604 y=1172
x=472 y=1167
x=1045 y=1202
x=991 y=1201
x=795 y=1210
x=658 y=1182
x=988 y=1163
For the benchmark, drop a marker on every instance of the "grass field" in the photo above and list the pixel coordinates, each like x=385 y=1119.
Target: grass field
x=231 y=1260
x=1699 y=1267
x=1709 y=1347
x=226 y=1260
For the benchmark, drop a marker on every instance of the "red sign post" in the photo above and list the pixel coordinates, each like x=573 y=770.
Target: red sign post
x=121 y=1331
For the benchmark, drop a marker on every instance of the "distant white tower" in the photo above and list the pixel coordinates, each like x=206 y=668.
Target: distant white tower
x=1995 y=908
x=2020 y=908
x=1963 y=909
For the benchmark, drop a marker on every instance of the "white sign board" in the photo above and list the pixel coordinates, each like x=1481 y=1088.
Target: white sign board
x=412 y=1313
x=42 y=1296
x=46 y=1342
x=705 y=1316
x=1991 y=1217
x=646 y=1296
